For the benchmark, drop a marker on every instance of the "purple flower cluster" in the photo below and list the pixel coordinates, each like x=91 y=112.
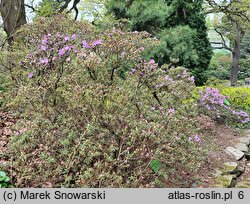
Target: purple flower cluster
x=211 y=98
x=184 y=75
x=166 y=82
x=60 y=48
x=146 y=68
x=171 y=111
x=243 y=115
x=213 y=101
x=195 y=138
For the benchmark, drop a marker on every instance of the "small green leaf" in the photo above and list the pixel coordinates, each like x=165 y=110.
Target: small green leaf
x=4 y=185
x=2 y=179
x=7 y=179
x=226 y=102
x=155 y=165
x=2 y=174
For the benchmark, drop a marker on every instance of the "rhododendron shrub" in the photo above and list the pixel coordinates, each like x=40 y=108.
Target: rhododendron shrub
x=213 y=103
x=94 y=113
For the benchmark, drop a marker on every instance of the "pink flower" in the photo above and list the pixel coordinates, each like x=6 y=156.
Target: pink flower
x=85 y=44
x=30 y=75
x=197 y=138
x=44 y=41
x=73 y=37
x=191 y=78
x=97 y=42
x=151 y=61
x=84 y=55
x=44 y=61
x=141 y=48
x=43 y=47
x=61 y=52
x=68 y=59
x=171 y=111
x=66 y=38
x=67 y=48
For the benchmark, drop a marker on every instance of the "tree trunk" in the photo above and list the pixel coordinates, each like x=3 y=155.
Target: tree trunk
x=235 y=59
x=13 y=14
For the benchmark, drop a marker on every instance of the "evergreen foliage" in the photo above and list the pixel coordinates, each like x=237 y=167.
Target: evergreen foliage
x=180 y=25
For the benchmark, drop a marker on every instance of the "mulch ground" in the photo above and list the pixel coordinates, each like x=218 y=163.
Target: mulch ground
x=6 y=121
x=219 y=137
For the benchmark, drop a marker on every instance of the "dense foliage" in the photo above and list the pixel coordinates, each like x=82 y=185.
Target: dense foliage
x=114 y=107
x=184 y=39
x=93 y=113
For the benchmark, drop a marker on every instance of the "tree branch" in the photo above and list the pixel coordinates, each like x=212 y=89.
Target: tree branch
x=75 y=8
x=31 y=7
x=224 y=44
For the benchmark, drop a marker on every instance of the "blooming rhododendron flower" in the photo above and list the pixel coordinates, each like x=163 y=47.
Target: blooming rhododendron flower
x=67 y=48
x=44 y=61
x=43 y=47
x=73 y=37
x=191 y=78
x=30 y=75
x=66 y=38
x=171 y=111
x=151 y=61
x=61 y=52
x=97 y=42
x=135 y=32
x=84 y=55
x=197 y=138
x=141 y=48
x=85 y=44
x=44 y=41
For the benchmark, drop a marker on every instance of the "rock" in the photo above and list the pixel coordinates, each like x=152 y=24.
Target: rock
x=229 y=168
x=235 y=152
x=218 y=186
x=243 y=184
x=217 y=173
x=246 y=132
x=245 y=140
x=227 y=181
x=242 y=147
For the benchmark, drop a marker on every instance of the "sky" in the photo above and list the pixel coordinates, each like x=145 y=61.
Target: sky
x=29 y=13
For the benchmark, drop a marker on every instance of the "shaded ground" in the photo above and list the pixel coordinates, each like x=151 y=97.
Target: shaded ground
x=216 y=136
x=6 y=121
x=219 y=138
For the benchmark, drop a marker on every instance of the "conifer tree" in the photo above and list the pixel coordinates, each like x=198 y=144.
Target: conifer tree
x=180 y=24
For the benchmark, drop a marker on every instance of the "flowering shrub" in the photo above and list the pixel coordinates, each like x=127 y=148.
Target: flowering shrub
x=215 y=106
x=94 y=113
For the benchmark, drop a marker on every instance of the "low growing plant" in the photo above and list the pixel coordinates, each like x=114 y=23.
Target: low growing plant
x=4 y=180
x=94 y=113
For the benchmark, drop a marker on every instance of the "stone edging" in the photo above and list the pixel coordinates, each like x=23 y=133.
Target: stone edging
x=228 y=175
